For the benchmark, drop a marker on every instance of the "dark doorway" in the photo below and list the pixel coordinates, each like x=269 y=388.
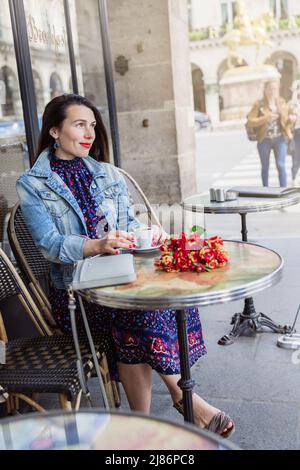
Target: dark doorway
x=198 y=89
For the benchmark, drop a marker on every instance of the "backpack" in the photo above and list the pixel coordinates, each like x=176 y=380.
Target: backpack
x=252 y=132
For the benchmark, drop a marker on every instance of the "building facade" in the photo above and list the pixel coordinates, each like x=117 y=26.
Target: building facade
x=210 y=21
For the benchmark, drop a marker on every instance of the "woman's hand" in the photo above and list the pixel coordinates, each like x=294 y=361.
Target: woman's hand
x=114 y=240
x=159 y=235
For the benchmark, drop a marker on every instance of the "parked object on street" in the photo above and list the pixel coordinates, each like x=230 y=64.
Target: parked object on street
x=14 y=127
x=292 y=339
x=202 y=121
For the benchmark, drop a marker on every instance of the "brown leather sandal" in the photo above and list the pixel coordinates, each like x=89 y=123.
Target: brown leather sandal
x=217 y=424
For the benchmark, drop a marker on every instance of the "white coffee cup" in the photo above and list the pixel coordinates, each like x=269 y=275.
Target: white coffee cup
x=144 y=237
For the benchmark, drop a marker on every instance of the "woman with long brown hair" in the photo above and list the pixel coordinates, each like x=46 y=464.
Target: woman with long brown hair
x=77 y=205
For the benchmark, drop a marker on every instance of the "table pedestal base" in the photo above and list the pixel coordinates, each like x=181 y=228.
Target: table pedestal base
x=186 y=383
x=250 y=319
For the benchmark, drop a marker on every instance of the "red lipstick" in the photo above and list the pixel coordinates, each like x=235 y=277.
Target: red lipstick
x=86 y=145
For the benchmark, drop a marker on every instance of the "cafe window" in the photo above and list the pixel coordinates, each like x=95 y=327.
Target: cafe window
x=48 y=43
x=228 y=12
x=13 y=149
x=279 y=8
x=51 y=73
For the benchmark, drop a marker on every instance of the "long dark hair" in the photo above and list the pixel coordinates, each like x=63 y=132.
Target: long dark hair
x=56 y=112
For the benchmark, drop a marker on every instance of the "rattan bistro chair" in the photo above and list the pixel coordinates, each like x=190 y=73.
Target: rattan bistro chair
x=33 y=265
x=46 y=363
x=35 y=271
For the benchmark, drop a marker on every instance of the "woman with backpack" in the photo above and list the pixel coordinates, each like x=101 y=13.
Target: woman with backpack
x=270 y=118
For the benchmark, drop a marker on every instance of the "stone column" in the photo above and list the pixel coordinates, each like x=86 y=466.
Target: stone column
x=150 y=51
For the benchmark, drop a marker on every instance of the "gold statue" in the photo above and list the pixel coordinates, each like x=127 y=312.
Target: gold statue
x=246 y=32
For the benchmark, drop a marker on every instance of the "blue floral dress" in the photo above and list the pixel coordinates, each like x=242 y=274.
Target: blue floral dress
x=148 y=337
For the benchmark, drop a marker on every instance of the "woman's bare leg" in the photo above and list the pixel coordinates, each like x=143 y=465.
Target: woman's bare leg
x=203 y=411
x=137 y=382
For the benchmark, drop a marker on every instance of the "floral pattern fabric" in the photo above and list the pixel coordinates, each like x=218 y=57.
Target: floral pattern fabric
x=77 y=177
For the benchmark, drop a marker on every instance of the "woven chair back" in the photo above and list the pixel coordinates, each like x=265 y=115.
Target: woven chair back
x=8 y=286
x=31 y=253
x=34 y=267
x=11 y=284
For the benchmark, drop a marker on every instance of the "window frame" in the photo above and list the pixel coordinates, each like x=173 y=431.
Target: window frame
x=230 y=6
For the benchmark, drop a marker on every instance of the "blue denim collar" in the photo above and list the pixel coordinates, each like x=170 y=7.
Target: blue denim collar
x=42 y=168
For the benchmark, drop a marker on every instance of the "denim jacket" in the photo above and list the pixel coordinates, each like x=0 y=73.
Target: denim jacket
x=55 y=219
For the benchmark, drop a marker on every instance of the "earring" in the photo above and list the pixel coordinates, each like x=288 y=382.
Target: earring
x=56 y=144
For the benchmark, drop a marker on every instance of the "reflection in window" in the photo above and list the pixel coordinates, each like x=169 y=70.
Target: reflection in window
x=38 y=88
x=9 y=84
x=56 y=88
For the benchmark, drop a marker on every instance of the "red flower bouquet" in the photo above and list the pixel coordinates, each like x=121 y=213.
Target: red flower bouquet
x=192 y=253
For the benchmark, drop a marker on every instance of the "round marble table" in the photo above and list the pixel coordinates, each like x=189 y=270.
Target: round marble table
x=241 y=205
x=252 y=268
x=249 y=318
x=99 y=430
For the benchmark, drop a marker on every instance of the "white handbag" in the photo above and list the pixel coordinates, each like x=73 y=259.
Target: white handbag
x=100 y=271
